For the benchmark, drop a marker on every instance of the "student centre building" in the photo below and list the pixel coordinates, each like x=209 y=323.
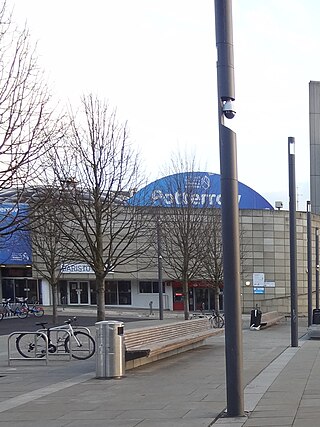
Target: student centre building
x=264 y=233
x=265 y=273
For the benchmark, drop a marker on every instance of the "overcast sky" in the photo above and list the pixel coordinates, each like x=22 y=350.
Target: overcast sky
x=155 y=61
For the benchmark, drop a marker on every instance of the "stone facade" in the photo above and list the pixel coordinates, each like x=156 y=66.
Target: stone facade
x=265 y=248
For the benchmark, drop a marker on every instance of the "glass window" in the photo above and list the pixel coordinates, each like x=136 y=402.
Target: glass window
x=148 y=287
x=155 y=287
x=8 y=288
x=111 y=293
x=16 y=272
x=124 y=289
x=118 y=292
x=145 y=287
x=93 y=292
x=63 y=292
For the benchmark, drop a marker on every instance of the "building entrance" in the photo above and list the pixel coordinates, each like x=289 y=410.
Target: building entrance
x=201 y=296
x=78 y=293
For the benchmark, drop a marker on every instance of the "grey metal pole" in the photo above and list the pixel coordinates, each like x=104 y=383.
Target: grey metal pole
x=293 y=243
x=317 y=268
x=229 y=211
x=309 y=258
x=160 y=269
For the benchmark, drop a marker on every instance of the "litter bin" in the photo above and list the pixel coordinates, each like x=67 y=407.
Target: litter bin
x=255 y=319
x=316 y=316
x=110 y=360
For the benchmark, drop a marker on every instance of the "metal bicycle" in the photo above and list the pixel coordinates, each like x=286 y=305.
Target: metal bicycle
x=33 y=308
x=9 y=309
x=216 y=319
x=81 y=344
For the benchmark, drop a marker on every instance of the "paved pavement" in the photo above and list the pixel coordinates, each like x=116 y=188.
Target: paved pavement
x=282 y=387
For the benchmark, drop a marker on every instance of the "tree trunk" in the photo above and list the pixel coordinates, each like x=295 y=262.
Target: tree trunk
x=216 y=298
x=54 y=303
x=186 y=299
x=101 y=307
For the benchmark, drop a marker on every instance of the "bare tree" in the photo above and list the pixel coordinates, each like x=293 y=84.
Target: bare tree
x=50 y=248
x=183 y=225
x=27 y=126
x=212 y=260
x=97 y=168
x=212 y=268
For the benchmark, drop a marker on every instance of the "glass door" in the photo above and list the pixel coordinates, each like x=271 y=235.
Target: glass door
x=78 y=293
x=83 y=289
x=73 y=293
x=201 y=298
x=178 y=298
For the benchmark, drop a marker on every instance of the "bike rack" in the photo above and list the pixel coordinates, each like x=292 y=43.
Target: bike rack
x=43 y=333
x=45 y=358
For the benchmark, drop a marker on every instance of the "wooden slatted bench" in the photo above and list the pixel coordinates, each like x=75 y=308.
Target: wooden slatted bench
x=271 y=318
x=148 y=344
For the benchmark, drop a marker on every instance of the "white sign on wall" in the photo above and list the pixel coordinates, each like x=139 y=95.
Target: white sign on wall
x=258 y=279
x=270 y=284
x=76 y=268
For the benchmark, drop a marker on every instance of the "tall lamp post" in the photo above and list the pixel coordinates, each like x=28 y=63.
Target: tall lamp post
x=317 y=268
x=309 y=258
x=160 y=269
x=229 y=210
x=293 y=242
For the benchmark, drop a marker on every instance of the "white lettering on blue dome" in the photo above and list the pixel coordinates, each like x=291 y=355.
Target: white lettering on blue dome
x=182 y=199
x=198 y=189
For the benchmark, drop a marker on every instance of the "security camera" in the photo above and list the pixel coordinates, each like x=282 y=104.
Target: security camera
x=228 y=109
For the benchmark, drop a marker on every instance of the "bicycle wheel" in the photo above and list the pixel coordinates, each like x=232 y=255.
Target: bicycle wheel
x=38 y=311
x=22 y=312
x=1 y=315
x=82 y=350
x=218 y=321
x=31 y=345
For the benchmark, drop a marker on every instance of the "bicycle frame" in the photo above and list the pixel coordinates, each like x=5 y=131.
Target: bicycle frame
x=64 y=328
x=59 y=341
x=30 y=307
x=8 y=309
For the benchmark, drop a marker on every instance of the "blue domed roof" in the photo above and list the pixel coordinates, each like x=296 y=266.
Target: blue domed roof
x=202 y=188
